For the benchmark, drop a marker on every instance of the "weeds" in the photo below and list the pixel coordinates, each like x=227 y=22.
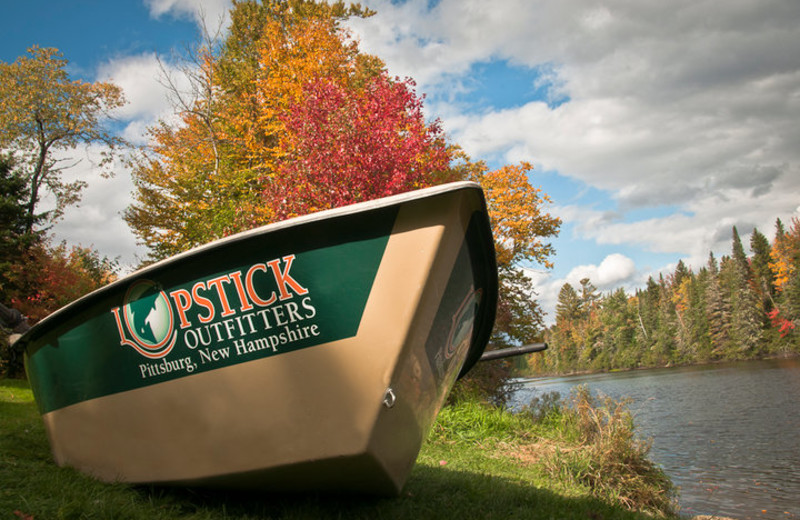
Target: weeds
x=606 y=455
x=589 y=444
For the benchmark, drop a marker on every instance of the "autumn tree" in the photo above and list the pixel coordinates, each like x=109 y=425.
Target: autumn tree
x=206 y=177
x=350 y=145
x=521 y=227
x=52 y=277
x=45 y=280
x=42 y=113
x=785 y=263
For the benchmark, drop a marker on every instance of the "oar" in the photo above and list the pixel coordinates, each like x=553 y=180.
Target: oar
x=512 y=351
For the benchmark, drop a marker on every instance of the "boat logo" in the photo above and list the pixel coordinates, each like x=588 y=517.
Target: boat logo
x=145 y=321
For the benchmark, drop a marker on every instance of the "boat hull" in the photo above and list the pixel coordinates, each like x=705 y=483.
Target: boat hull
x=312 y=354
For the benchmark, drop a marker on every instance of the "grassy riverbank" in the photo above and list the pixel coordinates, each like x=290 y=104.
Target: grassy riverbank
x=479 y=462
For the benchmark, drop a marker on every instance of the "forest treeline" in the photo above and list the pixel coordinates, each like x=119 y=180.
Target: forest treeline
x=737 y=307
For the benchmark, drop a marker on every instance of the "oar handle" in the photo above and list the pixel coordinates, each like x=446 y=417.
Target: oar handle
x=513 y=351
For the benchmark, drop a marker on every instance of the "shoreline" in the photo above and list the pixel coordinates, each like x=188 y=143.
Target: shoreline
x=527 y=376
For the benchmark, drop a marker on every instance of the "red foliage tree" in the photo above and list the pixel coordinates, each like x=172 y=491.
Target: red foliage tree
x=347 y=145
x=50 y=278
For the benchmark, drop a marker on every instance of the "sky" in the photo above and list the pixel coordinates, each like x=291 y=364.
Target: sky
x=653 y=126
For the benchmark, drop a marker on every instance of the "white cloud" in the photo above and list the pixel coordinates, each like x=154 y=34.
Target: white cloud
x=614 y=271
x=210 y=12
x=96 y=221
x=139 y=77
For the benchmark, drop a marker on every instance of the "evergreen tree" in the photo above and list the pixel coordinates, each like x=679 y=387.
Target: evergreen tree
x=568 y=314
x=589 y=296
x=701 y=337
x=666 y=329
x=14 y=222
x=718 y=311
x=763 y=276
x=681 y=272
x=738 y=251
x=647 y=303
x=780 y=231
x=618 y=333
x=745 y=320
x=568 y=305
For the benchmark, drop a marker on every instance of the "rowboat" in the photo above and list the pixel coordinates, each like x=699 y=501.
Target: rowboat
x=309 y=354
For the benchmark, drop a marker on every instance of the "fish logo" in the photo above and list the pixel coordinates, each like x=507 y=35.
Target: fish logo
x=145 y=321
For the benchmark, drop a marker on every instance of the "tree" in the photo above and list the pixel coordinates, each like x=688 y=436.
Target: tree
x=737 y=251
x=521 y=227
x=763 y=276
x=745 y=309
x=46 y=279
x=207 y=176
x=568 y=315
x=14 y=221
x=51 y=277
x=718 y=310
x=43 y=111
x=618 y=319
x=785 y=263
x=344 y=146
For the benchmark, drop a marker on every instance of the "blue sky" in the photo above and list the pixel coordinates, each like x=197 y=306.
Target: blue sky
x=654 y=126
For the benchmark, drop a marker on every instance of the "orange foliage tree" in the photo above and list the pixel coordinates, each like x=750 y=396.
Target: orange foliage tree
x=521 y=227
x=205 y=177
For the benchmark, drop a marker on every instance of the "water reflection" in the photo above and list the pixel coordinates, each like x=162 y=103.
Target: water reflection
x=728 y=435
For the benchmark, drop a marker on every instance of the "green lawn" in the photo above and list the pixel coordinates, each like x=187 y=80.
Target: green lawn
x=478 y=463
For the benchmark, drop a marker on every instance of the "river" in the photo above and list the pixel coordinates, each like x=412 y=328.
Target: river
x=728 y=435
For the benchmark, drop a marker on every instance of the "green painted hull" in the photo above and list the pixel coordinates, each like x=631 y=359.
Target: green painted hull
x=309 y=354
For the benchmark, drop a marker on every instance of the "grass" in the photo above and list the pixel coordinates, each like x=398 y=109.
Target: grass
x=479 y=462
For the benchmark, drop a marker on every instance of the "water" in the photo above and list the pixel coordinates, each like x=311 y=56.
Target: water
x=728 y=435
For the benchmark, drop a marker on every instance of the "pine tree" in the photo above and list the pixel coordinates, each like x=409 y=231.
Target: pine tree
x=14 y=223
x=666 y=330
x=738 y=253
x=701 y=336
x=647 y=303
x=718 y=311
x=763 y=275
x=568 y=315
x=681 y=272
x=745 y=325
